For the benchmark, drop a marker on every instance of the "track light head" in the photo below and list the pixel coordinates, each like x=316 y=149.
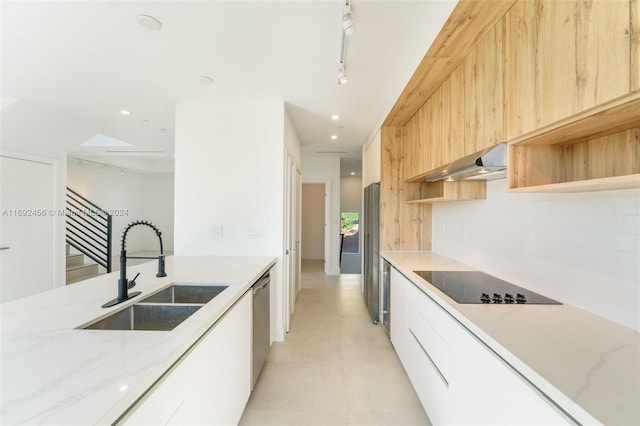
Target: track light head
x=347 y=24
x=342 y=76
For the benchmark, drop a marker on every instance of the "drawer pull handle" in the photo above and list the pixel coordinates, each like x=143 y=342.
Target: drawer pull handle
x=444 y=380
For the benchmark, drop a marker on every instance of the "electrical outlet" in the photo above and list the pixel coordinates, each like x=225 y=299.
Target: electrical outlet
x=217 y=231
x=254 y=232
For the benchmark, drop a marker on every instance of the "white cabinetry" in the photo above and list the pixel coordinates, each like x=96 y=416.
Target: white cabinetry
x=458 y=379
x=211 y=383
x=399 y=331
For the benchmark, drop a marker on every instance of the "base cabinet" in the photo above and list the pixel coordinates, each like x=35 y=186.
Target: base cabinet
x=211 y=384
x=399 y=331
x=458 y=379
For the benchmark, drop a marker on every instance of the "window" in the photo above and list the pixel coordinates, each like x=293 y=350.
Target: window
x=349 y=222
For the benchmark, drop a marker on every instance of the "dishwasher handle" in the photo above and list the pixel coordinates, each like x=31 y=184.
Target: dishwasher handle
x=261 y=283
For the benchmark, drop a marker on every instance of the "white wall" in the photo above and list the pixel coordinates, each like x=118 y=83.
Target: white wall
x=141 y=196
x=313 y=221
x=38 y=130
x=351 y=201
x=320 y=170
x=371 y=155
x=582 y=249
x=229 y=174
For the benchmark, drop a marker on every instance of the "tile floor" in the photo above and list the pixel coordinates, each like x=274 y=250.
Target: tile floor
x=335 y=367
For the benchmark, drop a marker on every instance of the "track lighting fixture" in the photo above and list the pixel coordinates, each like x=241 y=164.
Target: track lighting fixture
x=347 y=24
x=347 y=29
x=342 y=77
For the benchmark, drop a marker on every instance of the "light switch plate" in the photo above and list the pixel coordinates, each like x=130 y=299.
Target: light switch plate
x=254 y=232
x=217 y=231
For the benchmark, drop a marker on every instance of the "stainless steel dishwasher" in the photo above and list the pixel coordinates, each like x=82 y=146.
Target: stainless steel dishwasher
x=261 y=325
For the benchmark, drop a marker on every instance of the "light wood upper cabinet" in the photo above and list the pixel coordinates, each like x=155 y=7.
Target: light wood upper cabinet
x=635 y=44
x=432 y=117
x=413 y=157
x=463 y=116
x=453 y=116
x=483 y=105
x=563 y=57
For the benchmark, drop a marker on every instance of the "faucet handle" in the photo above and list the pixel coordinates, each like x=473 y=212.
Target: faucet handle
x=132 y=283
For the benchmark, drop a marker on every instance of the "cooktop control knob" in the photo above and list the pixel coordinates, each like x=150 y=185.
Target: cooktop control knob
x=508 y=298
x=497 y=298
x=485 y=298
x=520 y=298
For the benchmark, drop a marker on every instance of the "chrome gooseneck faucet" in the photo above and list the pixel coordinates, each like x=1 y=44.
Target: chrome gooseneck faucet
x=123 y=283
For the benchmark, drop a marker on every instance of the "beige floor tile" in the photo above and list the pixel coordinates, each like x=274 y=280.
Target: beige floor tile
x=300 y=386
x=327 y=349
x=362 y=418
x=335 y=366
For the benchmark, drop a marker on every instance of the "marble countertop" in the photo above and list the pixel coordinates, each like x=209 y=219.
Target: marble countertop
x=587 y=364
x=54 y=373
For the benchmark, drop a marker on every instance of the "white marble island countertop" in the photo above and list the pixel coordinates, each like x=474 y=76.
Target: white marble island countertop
x=588 y=365
x=54 y=373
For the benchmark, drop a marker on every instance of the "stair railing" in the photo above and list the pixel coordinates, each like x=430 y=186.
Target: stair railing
x=89 y=229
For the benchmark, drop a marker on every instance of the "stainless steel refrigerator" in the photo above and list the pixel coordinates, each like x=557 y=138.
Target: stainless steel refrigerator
x=371 y=250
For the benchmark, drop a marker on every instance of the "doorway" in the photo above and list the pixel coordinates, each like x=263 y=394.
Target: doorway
x=313 y=224
x=28 y=225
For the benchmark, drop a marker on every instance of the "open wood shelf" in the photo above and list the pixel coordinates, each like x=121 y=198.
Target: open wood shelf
x=615 y=116
x=595 y=150
x=602 y=184
x=440 y=191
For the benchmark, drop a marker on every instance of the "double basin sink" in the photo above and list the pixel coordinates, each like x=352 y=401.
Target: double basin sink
x=163 y=310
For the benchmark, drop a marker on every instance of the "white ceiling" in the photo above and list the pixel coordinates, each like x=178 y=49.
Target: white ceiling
x=91 y=59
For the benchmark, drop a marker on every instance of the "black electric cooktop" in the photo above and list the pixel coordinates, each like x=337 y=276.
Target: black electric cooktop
x=477 y=287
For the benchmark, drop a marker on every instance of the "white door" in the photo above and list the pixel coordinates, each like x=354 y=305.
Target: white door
x=293 y=235
x=298 y=231
x=27 y=227
x=287 y=255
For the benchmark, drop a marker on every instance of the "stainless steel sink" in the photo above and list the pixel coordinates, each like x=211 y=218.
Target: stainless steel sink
x=185 y=293
x=145 y=317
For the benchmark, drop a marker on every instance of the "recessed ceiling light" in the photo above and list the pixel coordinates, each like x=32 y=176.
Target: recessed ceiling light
x=353 y=173
x=335 y=117
x=124 y=112
x=149 y=22
x=334 y=137
x=205 y=79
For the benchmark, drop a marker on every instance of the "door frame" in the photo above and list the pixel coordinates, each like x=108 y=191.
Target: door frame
x=327 y=220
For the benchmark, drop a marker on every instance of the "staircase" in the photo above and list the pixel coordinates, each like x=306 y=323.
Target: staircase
x=78 y=268
x=88 y=235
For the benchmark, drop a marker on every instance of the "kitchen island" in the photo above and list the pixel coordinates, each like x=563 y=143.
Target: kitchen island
x=54 y=373
x=585 y=367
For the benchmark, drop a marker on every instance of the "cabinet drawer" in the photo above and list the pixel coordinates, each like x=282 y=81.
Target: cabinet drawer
x=429 y=383
x=435 y=347
x=439 y=320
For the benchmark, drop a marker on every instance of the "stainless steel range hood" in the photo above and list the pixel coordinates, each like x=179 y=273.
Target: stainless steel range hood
x=488 y=164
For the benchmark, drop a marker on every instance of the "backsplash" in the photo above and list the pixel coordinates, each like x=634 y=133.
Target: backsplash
x=582 y=249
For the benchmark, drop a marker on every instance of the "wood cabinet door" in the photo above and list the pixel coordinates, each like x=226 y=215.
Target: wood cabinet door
x=452 y=117
x=483 y=100
x=432 y=118
x=563 y=57
x=635 y=45
x=413 y=151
